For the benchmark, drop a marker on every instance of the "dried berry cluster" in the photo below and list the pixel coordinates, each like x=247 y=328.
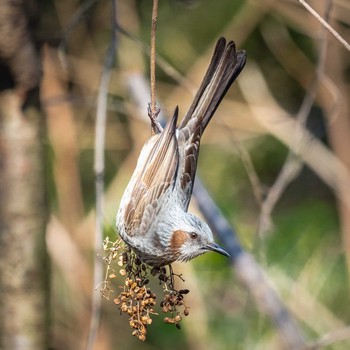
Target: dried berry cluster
x=136 y=299
x=171 y=302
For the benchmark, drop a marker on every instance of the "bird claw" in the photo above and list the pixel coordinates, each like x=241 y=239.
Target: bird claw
x=153 y=115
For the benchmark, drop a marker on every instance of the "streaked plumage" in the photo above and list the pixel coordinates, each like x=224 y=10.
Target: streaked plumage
x=152 y=216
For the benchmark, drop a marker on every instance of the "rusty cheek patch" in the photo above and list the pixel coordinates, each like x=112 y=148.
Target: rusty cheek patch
x=178 y=239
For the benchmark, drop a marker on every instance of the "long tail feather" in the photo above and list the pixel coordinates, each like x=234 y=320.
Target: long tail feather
x=225 y=66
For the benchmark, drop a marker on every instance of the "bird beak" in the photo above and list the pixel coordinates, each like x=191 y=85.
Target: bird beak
x=216 y=248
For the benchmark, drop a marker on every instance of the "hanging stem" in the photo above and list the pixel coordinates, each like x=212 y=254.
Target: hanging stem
x=153 y=111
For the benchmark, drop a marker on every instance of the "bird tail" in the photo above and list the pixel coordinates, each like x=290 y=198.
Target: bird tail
x=224 y=68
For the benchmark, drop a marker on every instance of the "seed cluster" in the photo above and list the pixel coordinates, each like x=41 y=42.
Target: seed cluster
x=171 y=302
x=136 y=299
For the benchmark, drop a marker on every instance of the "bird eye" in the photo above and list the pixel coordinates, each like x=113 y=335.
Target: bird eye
x=193 y=235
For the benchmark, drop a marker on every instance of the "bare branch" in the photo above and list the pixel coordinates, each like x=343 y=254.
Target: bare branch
x=326 y=25
x=153 y=56
x=101 y=116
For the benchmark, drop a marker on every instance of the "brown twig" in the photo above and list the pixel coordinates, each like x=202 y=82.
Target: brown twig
x=153 y=55
x=168 y=69
x=153 y=110
x=326 y=25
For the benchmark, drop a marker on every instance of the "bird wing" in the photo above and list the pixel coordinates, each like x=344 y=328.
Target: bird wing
x=157 y=175
x=225 y=66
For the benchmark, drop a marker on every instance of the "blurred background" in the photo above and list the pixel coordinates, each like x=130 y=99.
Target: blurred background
x=275 y=158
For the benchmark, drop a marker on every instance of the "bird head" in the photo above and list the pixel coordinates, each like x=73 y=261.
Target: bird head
x=192 y=237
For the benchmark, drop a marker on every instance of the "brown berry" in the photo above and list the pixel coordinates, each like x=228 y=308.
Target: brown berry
x=142 y=337
x=178 y=318
x=184 y=291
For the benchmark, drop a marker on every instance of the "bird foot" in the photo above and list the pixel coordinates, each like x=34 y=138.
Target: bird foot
x=153 y=115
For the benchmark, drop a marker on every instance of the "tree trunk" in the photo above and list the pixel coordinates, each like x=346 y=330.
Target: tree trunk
x=23 y=213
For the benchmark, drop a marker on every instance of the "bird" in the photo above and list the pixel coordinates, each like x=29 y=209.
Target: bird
x=153 y=218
